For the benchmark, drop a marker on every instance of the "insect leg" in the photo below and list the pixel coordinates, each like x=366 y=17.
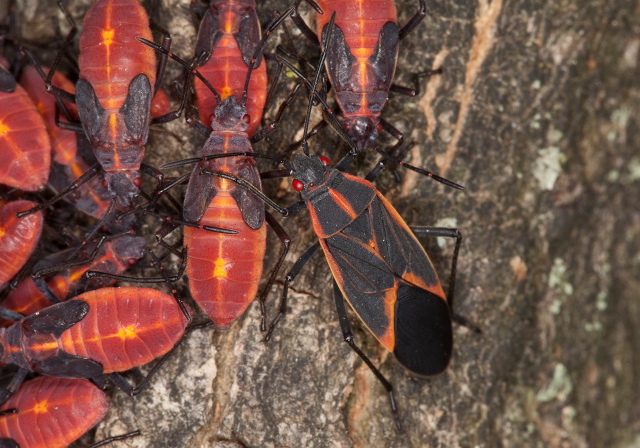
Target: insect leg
x=449 y=233
x=286 y=242
x=348 y=338
x=291 y=275
x=115 y=439
x=12 y=387
x=414 y=21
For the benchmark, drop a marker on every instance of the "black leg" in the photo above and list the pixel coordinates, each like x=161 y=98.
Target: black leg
x=12 y=387
x=291 y=275
x=414 y=21
x=86 y=177
x=114 y=439
x=286 y=242
x=348 y=338
x=449 y=233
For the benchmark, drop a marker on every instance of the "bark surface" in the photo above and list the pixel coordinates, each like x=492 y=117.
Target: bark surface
x=537 y=114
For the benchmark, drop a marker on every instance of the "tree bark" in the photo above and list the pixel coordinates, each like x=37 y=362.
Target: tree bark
x=537 y=114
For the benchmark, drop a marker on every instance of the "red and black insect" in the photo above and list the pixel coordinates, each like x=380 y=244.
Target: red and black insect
x=52 y=413
x=68 y=164
x=224 y=269
x=18 y=238
x=229 y=35
x=113 y=257
x=377 y=264
x=361 y=61
x=24 y=143
x=115 y=90
x=99 y=332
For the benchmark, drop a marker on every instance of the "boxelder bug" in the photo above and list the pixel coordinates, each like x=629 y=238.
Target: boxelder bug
x=24 y=143
x=229 y=35
x=377 y=264
x=115 y=90
x=224 y=270
x=52 y=413
x=68 y=164
x=18 y=238
x=113 y=257
x=103 y=331
x=361 y=62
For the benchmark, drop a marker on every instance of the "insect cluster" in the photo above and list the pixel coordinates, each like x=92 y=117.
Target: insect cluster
x=76 y=193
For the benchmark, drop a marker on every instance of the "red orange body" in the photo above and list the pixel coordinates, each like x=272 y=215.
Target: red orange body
x=110 y=56
x=160 y=104
x=18 y=237
x=229 y=33
x=119 y=328
x=114 y=257
x=91 y=198
x=361 y=61
x=114 y=92
x=25 y=149
x=224 y=270
x=52 y=412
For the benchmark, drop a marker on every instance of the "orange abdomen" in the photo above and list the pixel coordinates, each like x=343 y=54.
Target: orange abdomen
x=224 y=270
x=359 y=20
x=63 y=143
x=226 y=71
x=25 y=149
x=110 y=56
x=18 y=237
x=27 y=298
x=52 y=412
x=125 y=327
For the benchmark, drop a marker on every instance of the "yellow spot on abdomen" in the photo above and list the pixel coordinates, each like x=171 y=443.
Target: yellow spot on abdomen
x=225 y=93
x=4 y=129
x=219 y=271
x=127 y=333
x=40 y=407
x=107 y=36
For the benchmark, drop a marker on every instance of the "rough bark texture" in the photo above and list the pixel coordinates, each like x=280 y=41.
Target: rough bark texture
x=537 y=115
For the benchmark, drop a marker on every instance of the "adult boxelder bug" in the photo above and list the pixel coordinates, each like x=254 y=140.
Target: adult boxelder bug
x=52 y=413
x=224 y=270
x=378 y=265
x=103 y=331
x=113 y=257
x=25 y=150
x=18 y=238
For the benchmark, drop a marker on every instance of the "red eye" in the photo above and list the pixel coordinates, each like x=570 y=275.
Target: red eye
x=379 y=127
x=246 y=118
x=137 y=182
x=132 y=261
x=325 y=161
x=297 y=185
x=105 y=184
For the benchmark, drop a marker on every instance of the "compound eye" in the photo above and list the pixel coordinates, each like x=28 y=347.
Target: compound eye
x=297 y=185
x=105 y=184
x=325 y=161
x=137 y=182
x=132 y=261
x=379 y=127
x=246 y=118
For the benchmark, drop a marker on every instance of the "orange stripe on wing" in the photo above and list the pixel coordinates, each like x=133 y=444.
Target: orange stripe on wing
x=343 y=203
